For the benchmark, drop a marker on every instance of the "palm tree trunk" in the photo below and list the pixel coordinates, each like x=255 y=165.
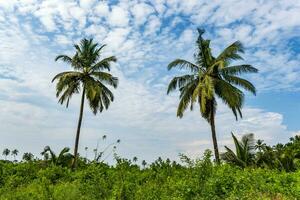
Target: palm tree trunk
x=214 y=137
x=74 y=165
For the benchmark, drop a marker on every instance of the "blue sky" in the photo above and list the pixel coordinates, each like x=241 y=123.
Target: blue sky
x=145 y=36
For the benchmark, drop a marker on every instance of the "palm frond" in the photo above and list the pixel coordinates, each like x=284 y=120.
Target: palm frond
x=53 y=156
x=72 y=88
x=64 y=58
x=179 y=82
x=244 y=155
x=230 y=95
x=66 y=86
x=62 y=153
x=106 y=78
x=104 y=64
x=231 y=52
x=98 y=95
x=247 y=85
x=250 y=141
x=183 y=64
x=238 y=69
x=230 y=157
x=75 y=61
x=66 y=74
x=185 y=98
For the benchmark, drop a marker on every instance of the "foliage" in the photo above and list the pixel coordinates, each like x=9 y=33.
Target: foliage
x=64 y=158
x=6 y=152
x=280 y=157
x=283 y=157
x=245 y=151
x=162 y=179
x=89 y=74
x=28 y=157
x=211 y=77
x=14 y=153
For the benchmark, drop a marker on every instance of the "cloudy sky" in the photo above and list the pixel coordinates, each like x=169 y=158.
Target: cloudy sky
x=145 y=36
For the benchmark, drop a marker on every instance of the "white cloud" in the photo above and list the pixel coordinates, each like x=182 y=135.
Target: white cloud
x=159 y=6
x=8 y=5
x=102 y=9
x=153 y=25
x=80 y=15
x=63 y=40
x=118 y=17
x=48 y=22
x=86 y=4
x=96 y=30
x=140 y=12
x=142 y=113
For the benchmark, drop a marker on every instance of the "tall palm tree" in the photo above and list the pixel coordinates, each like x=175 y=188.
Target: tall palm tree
x=15 y=153
x=87 y=74
x=244 y=154
x=211 y=77
x=6 y=152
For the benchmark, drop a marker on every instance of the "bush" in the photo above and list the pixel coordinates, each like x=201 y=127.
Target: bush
x=196 y=179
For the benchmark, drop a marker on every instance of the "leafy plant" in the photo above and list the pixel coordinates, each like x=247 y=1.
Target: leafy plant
x=64 y=158
x=28 y=157
x=244 y=154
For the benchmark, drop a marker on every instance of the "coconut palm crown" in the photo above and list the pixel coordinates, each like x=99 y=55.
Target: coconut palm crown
x=90 y=76
x=211 y=77
x=244 y=154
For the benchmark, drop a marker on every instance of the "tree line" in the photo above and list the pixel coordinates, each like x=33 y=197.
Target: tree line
x=247 y=153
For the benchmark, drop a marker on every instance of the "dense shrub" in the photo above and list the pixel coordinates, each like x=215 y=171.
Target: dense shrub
x=199 y=179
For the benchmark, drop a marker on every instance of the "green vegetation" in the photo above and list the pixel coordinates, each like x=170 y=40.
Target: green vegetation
x=163 y=179
x=212 y=77
x=88 y=73
x=245 y=151
x=246 y=176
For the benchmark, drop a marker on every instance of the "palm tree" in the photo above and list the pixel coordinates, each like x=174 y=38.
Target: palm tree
x=135 y=159
x=281 y=156
x=244 y=151
x=87 y=74
x=86 y=152
x=211 y=77
x=260 y=145
x=45 y=155
x=144 y=163
x=64 y=158
x=15 y=153
x=6 y=152
x=28 y=157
